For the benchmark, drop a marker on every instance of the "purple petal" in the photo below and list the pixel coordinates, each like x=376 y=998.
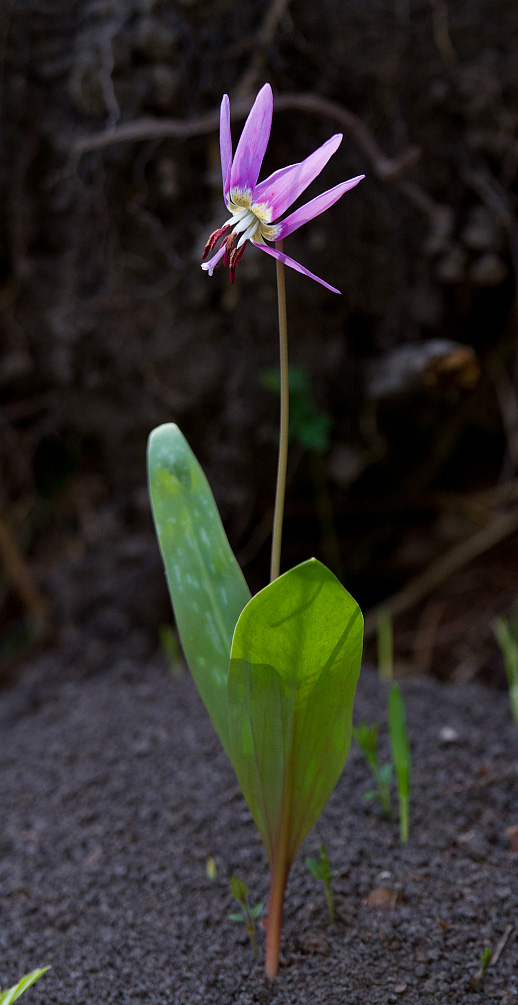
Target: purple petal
x=294 y=265
x=281 y=189
x=253 y=142
x=225 y=145
x=315 y=207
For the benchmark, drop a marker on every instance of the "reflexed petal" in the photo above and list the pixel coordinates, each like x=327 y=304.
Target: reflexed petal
x=211 y=264
x=253 y=142
x=281 y=189
x=315 y=207
x=294 y=265
x=225 y=144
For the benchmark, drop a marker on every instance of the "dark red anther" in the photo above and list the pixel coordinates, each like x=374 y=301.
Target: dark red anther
x=214 y=238
x=236 y=256
x=228 y=248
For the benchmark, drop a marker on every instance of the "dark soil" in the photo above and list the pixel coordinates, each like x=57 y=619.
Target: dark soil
x=114 y=791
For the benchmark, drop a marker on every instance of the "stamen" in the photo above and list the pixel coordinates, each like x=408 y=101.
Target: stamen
x=228 y=247
x=235 y=259
x=213 y=240
x=236 y=256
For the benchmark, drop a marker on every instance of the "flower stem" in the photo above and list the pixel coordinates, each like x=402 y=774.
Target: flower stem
x=278 y=879
x=284 y=425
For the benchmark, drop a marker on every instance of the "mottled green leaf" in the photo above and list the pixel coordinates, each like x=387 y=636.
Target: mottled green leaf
x=294 y=666
x=207 y=587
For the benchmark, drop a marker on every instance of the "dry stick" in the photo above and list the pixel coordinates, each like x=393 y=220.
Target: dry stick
x=496 y=199
x=21 y=579
x=441 y=32
x=439 y=570
x=262 y=41
x=500 y=945
x=386 y=168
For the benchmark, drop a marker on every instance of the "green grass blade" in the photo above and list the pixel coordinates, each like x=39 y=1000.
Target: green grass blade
x=401 y=756
x=508 y=643
x=293 y=673
x=385 y=646
x=12 y=994
x=207 y=587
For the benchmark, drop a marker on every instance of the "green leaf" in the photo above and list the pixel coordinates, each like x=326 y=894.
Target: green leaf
x=235 y=917
x=255 y=911
x=239 y=890
x=314 y=867
x=26 y=982
x=367 y=739
x=207 y=587
x=399 y=741
x=293 y=672
x=386 y=774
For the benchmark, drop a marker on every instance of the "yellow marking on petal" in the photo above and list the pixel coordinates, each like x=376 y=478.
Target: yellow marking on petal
x=241 y=198
x=262 y=211
x=270 y=231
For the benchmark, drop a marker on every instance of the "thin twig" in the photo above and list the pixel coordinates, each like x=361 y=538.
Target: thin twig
x=20 y=577
x=500 y=945
x=439 y=570
x=262 y=42
x=386 y=168
x=441 y=31
x=497 y=200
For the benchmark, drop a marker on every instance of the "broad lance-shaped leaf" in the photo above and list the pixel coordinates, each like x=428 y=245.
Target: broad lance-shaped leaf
x=294 y=667
x=207 y=587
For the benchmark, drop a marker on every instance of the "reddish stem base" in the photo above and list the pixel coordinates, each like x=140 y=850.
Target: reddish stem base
x=278 y=880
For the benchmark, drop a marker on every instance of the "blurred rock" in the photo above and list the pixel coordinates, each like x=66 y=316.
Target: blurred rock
x=488 y=270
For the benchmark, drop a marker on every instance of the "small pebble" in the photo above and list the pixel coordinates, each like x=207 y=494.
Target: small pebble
x=447 y=734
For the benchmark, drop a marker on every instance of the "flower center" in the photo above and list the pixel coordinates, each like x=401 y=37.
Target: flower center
x=249 y=222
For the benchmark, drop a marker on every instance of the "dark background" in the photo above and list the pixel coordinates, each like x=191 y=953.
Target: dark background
x=109 y=187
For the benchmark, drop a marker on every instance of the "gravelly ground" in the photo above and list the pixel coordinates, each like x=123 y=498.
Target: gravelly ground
x=114 y=791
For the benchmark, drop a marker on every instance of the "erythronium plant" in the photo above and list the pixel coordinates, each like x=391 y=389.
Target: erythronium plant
x=277 y=671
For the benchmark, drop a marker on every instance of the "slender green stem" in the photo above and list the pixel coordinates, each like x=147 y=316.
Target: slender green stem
x=403 y=819
x=330 y=902
x=284 y=428
x=251 y=931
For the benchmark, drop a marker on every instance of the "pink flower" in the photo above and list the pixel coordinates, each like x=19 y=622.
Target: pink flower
x=255 y=208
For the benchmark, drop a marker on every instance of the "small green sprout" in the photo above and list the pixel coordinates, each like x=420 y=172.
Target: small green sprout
x=477 y=978
x=12 y=994
x=401 y=757
x=367 y=739
x=210 y=868
x=320 y=870
x=507 y=637
x=385 y=646
x=249 y=914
